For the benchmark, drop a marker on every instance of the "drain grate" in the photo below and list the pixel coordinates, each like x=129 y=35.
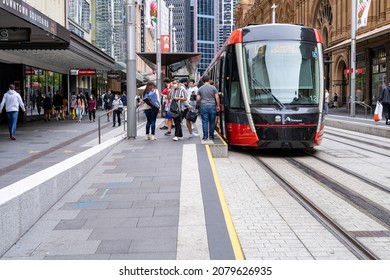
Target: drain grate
x=377 y=233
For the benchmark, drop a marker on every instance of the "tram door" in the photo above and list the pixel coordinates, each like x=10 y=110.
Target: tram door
x=221 y=89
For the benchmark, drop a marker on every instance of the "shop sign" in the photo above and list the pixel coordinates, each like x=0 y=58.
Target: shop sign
x=29 y=72
x=348 y=71
x=30 y=14
x=15 y=34
x=82 y=72
x=114 y=75
x=87 y=72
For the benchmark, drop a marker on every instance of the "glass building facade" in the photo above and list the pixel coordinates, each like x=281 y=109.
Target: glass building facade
x=226 y=20
x=182 y=23
x=205 y=32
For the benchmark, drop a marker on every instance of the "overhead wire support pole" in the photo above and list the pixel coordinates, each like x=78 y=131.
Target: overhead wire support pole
x=353 y=58
x=131 y=70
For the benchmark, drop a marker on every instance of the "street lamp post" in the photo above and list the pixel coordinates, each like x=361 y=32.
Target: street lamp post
x=174 y=40
x=158 y=50
x=353 y=58
x=171 y=7
x=274 y=12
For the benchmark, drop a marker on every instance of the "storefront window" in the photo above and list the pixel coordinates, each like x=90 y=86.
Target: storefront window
x=379 y=78
x=360 y=77
x=38 y=83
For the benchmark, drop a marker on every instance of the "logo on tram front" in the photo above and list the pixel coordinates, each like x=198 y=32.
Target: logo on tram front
x=290 y=120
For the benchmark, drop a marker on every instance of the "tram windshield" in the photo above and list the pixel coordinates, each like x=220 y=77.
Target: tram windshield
x=283 y=73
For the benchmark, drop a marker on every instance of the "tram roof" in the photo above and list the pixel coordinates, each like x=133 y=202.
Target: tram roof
x=276 y=32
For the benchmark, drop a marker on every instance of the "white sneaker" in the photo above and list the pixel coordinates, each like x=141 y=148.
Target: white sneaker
x=153 y=137
x=180 y=138
x=194 y=134
x=147 y=137
x=175 y=138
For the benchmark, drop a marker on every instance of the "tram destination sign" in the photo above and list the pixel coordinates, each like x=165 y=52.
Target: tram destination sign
x=15 y=34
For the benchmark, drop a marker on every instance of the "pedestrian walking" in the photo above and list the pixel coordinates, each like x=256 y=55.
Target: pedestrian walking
x=12 y=101
x=72 y=102
x=57 y=103
x=150 y=95
x=192 y=92
x=64 y=108
x=92 y=108
x=79 y=106
x=117 y=107
x=385 y=100
x=179 y=94
x=46 y=105
x=327 y=99
x=108 y=98
x=165 y=101
x=209 y=105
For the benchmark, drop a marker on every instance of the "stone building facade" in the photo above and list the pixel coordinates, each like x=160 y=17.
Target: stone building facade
x=333 y=19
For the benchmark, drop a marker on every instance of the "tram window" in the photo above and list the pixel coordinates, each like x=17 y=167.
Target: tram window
x=235 y=94
x=283 y=73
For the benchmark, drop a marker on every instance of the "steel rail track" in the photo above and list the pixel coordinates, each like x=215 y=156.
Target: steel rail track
x=349 y=172
x=358 y=249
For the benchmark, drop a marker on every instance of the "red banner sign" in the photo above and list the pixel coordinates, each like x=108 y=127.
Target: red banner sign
x=165 y=43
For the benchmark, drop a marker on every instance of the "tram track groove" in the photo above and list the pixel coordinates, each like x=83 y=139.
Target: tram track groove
x=352 y=173
x=358 y=200
x=343 y=235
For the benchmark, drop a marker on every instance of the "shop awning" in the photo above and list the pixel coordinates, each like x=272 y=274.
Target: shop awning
x=50 y=46
x=174 y=61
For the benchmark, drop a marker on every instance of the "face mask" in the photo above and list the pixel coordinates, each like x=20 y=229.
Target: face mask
x=174 y=85
x=116 y=97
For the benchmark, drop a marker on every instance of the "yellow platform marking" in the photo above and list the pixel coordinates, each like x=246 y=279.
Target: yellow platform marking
x=225 y=209
x=68 y=151
x=33 y=152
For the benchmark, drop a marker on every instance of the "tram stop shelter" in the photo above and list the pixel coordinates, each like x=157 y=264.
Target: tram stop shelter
x=175 y=64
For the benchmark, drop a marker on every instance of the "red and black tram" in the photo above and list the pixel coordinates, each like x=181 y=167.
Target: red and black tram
x=271 y=79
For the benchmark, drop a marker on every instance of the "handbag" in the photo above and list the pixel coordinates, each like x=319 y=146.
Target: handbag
x=378 y=111
x=191 y=116
x=174 y=110
x=150 y=103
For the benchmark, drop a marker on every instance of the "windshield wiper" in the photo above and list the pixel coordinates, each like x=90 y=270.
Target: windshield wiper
x=268 y=92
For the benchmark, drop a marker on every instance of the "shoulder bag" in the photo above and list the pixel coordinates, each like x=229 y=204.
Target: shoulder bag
x=174 y=110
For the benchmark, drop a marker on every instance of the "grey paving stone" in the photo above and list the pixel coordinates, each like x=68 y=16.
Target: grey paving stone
x=136 y=233
x=165 y=221
x=116 y=213
x=114 y=247
x=153 y=246
x=157 y=203
x=103 y=223
x=120 y=205
x=145 y=256
x=167 y=211
x=163 y=196
x=70 y=224
x=78 y=257
x=72 y=247
x=86 y=202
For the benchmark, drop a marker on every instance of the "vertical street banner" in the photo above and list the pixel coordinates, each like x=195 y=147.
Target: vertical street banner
x=363 y=7
x=165 y=45
x=151 y=8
